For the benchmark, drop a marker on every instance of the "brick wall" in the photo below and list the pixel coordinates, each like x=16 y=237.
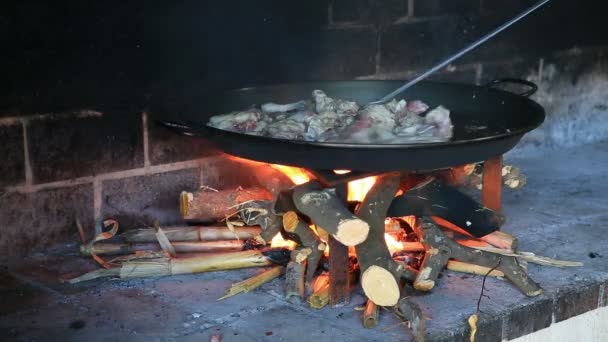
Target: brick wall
x=83 y=83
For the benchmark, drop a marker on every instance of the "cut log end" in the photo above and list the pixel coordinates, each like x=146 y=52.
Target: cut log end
x=424 y=285
x=380 y=286
x=352 y=232
x=290 y=221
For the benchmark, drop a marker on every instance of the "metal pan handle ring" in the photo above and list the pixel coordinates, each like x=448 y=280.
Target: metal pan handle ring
x=533 y=87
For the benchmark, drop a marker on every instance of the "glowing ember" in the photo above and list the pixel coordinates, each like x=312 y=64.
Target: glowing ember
x=341 y=172
x=278 y=241
x=358 y=189
x=296 y=174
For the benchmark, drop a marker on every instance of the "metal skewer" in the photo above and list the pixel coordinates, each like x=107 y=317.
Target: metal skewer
x=460 y=53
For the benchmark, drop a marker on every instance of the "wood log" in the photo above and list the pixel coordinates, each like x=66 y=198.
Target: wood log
x=179 y=247
x=410 y=311
x=339 y=282
x=261 y=213
x=192 y=233
x=160 y=267
x=434 y=198
x=467 y=177
x=501 y=240
x=305 y=238
x=321 y=289
x=380 y=274
x=207 y=205
x=370 y=315
x=443 y=248
x=326 y=210
x=295 y=276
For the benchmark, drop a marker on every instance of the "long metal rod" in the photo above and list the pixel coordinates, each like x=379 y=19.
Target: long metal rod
x=459 y=54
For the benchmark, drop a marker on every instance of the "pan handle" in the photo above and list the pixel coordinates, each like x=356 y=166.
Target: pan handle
x=179 y=127
x=533 y=87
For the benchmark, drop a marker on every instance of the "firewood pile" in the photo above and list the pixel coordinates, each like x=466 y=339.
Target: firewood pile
x=393 y=241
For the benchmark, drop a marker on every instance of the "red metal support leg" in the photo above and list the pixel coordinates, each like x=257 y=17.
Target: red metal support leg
x=491 y=193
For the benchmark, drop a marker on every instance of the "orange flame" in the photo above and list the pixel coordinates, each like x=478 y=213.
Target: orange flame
x=296 y=174
x=359 y=188
x=392 y=244
x=341 y=172
x=278 y=241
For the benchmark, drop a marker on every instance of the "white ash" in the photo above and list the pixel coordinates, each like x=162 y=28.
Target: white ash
x=335 y=120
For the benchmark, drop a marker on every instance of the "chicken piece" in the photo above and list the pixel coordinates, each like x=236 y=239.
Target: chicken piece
x=242 y=122
x=303 y=116
x=286 y=129
x=321 y=123
x=324 y=103
x=379 y=116
x=398 y=108
x=417 y=107
x=271 y=107
x=440 y=118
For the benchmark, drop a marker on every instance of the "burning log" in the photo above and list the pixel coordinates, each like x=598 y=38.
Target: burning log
x=326 y=210
x=370 y=315
x=194 y=233
x=441 y=248
x=293 y=224
x=501 y=240
x=209 y=205
x=434 y=198
x=164 y=266
x=254 y=282
x=179 y=247
x=497 y=239
x=380 y=274
x=295 y=275
x=261 y=213
x=471 y=176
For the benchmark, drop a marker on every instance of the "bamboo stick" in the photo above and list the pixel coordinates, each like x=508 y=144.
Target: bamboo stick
x=197 y=264
x=464 y=267
x=254 y=282
x=179 y=247
x=370 y=315
x=194 y=233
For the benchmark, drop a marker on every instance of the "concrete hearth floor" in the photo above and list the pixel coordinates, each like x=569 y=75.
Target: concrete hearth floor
x=561 y=213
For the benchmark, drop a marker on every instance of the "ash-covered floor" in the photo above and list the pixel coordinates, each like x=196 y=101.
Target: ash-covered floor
x=560 y=213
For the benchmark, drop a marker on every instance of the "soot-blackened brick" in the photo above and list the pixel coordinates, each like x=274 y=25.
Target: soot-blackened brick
x=330 y=55
x=423 y=44
x=576 y=300
x=167 y=146
x=12 y=167
x=529 y=318
x=83 y=146
x=139 y=201
x=424 y=8
x=40 y=219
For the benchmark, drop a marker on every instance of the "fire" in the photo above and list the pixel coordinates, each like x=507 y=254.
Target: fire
x=359 y=188
x=296 y=174
x=278 y=241
x=341 y=172
x=392 y=244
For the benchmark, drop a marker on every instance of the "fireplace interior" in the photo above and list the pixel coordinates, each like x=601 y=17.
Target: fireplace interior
x=115 y=226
